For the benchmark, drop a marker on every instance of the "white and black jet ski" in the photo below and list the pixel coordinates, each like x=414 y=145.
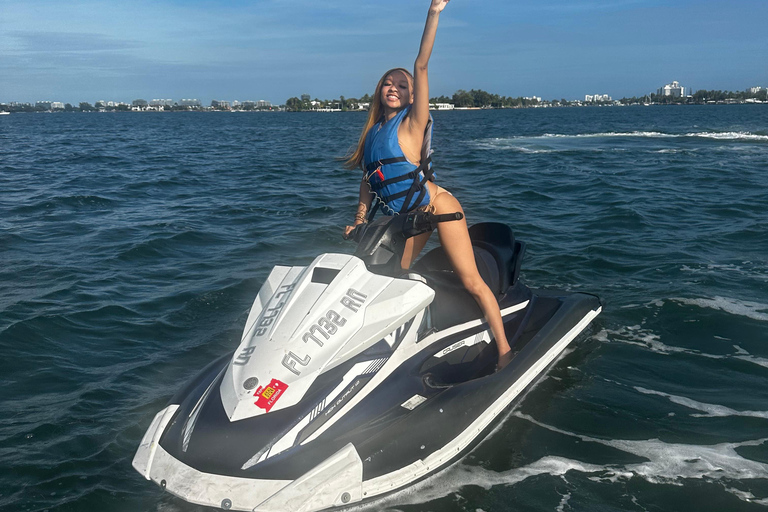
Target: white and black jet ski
x=355 y=378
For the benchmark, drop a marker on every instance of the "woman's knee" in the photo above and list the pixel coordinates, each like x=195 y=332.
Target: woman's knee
x=475 y=285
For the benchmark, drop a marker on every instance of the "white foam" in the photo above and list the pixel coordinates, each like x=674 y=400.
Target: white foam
x=460 y=475
x=637 y=335
x=665 y=463
x=647 y=339
x=730 y=136
x=753 y=310
x=746 y=496
x=671 y=463
x=740 y=351
x=609 y=134
x=563 y=502
x=754 y=359
x=527 y=144
x=747 y=269
x=746 y=356
x=709 y=410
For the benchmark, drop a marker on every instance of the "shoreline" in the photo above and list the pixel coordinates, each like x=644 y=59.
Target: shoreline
x=324 y=111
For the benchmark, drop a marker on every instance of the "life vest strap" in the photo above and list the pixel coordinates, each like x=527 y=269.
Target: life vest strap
x=386 y=161
x=397 y=179
x=418 y=185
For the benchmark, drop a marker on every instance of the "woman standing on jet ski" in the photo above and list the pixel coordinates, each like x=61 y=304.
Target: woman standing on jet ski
x=390 y=153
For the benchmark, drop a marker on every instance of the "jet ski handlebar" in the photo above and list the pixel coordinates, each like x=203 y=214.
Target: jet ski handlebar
x=414 y=224
x=381 y=243
x=423 y=222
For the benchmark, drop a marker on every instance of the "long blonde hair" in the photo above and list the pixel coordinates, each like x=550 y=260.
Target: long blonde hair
x=355 y=160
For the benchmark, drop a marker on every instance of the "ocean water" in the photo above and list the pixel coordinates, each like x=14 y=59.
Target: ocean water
x=132 y=246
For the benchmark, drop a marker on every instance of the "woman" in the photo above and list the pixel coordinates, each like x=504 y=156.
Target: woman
x=396 y=125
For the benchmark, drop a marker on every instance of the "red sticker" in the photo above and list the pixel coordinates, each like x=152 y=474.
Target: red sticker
x=267 y=396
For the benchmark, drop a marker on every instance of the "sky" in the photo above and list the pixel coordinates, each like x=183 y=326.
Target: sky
x=90 y=50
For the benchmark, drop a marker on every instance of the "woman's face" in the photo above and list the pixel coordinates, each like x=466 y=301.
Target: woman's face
x=396 y=92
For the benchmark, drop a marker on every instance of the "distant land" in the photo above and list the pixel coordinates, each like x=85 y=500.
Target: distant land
x=670 y=94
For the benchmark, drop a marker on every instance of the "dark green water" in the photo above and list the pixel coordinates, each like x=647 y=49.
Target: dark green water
x=132 y=245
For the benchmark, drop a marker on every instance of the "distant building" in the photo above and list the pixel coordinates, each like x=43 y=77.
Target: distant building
x=755 y=90
x=305 y=97
x=597 y=98
x=674 y=90
x=537 y=99
x=263 y=104
x=57 y=105
x=236 y=104
x=190 y=102
x=220 y=104
x=45 y=105
x=443 y=106
x=139 y=103
x=161 y=103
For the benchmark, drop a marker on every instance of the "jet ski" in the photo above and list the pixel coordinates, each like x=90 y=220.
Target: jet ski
x=355 y=378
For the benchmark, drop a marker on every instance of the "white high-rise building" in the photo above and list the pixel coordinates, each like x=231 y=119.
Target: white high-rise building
x=674 y=90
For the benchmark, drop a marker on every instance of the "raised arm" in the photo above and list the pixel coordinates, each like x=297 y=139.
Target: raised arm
x=420 y=111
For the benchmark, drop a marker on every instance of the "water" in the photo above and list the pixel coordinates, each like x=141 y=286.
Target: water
x=132 y=245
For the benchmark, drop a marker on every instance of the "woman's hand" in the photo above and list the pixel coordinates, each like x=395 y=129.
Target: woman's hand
x=349 y=229
x=438 y=5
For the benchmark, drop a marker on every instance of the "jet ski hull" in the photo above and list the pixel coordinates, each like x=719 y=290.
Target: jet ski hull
x=410 y=413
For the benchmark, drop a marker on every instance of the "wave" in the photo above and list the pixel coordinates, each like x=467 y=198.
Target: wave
x=746 y=269
x=636 y=335
x=667 y=463
x=75 y=202
x=454 y=478
x=662 y=463
x=604 y=134
x=753 y=310
x=512 y=142
x=653 y=134
x=708 y=410
x=730 y=136
x=746 y=356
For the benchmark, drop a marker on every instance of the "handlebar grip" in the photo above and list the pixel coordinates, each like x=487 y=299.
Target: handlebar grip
x=357 y=233
x=447 y=217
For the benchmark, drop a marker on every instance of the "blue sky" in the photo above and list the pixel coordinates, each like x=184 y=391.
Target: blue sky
x=273 y=49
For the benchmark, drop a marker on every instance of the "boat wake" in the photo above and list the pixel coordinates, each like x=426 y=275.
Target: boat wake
x=664 y=464
x=749 y=309
x=559 y=142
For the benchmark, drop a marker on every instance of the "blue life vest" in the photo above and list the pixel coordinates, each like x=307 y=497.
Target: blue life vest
x=398 y=183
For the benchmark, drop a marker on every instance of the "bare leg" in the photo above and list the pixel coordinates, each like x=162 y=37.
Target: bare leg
x=413 y=247
x=454 y=237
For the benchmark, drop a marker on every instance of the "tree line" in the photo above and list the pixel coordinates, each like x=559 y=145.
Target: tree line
x=700 y=97
x=474 y=98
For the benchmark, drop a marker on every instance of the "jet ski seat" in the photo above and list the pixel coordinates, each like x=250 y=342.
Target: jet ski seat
x=498 y=258
x=497 y=254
